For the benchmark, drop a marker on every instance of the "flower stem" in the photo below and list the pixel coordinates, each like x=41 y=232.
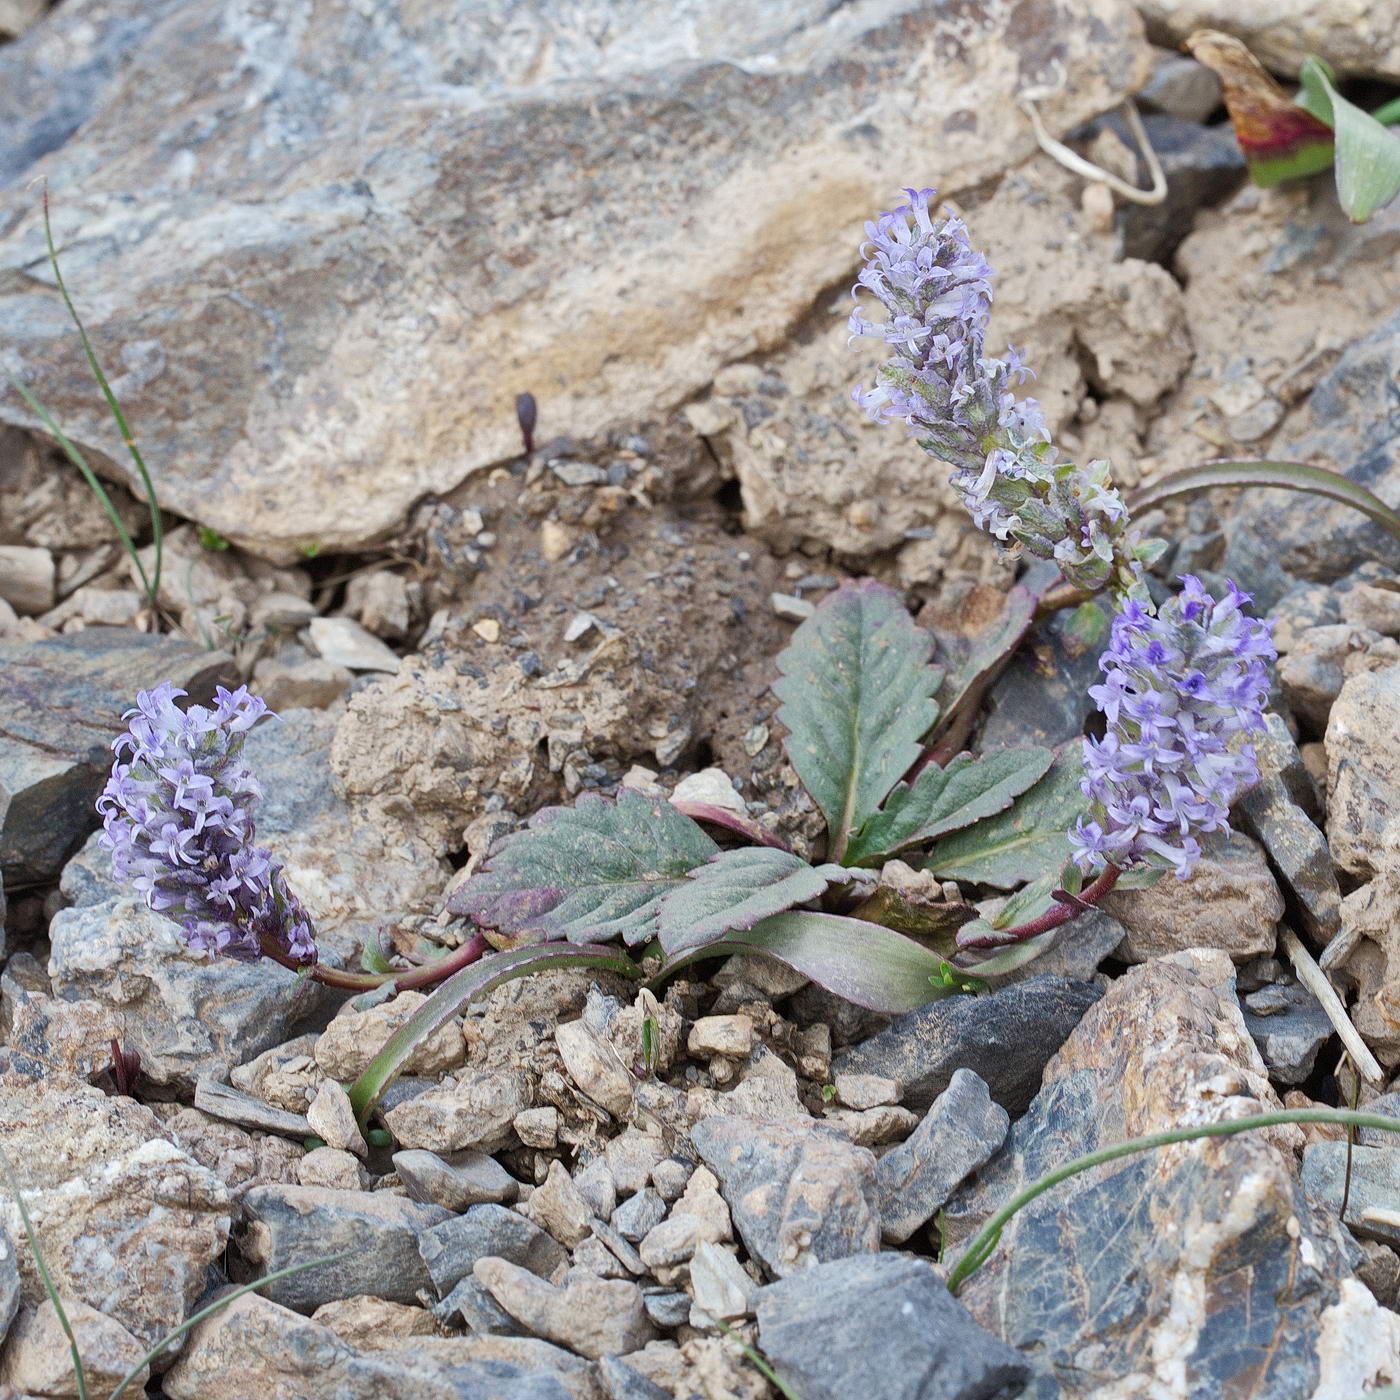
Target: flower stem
x=1070 y=908
x=470 y=951
x=1062 y=595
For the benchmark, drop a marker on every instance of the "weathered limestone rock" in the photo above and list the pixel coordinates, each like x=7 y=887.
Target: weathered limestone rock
x=127 y=1221
x=38 y=1361
x=1363 y=769
x=328 y=157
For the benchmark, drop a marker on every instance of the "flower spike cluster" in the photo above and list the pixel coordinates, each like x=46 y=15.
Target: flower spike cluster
x=960 y=403
x=177 y=817
x=1181 y=691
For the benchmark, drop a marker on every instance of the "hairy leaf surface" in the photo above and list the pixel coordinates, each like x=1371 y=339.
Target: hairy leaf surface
x=946 y=799
x=593 y=871
x=856 y=692
x=736 y=890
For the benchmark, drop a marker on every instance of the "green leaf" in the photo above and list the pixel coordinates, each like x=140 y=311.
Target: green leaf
x=737 y=889
x=1033 y=900
x=1289 y=476
x=587 y=872
x=1367 y=155
x=857 y=698
x=866 y=964
x=1022 y=843
x=944 y=799
x=469 y=984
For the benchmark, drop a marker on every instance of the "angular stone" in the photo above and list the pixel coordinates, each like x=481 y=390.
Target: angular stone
x=885 y=1326
x=253 y=1347
x=188 y=1015
x=451 y=1249
x=457 y=1181
x=594 y=1066
x=1289 y=1027
x=722 y=1035
x=861 y=1091
x=477 y=1310
x=958 y=1134
x=302 y=684
x=378 y=1231
x=220 y=1101
x=1276 y=812
x=771 y=102
x=638 y=1214
x=26 y=578
x=127 y=1222
x=1231 y=902
x=1268 y=1276
x=345 y=1048
x=49 y=1035
x=719 y=1284
x=799 y=1194
x=1375 y=1186
x=63 y=700
x=373 y=1324
x=621 y=1382
x=1006 y=1038
x=557 y=1206
x=1363 y=768
x=476 y=1112
x=332 y=1119
x=241 y=1160
x=592 y=1316
x=38 y=1361
x=332 y=1168
x=343 y=642
x=699 y=1216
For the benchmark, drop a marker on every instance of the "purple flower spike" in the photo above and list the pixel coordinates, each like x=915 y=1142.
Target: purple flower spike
x=1180 y=690
x=177 y=817
x=937 y=294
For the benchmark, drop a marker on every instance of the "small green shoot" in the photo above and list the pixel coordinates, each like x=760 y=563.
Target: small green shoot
x=211 y=539
x=828 y=1092
x=649 y=1029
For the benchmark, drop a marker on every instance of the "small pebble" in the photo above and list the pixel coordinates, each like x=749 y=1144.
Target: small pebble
x=790 y=607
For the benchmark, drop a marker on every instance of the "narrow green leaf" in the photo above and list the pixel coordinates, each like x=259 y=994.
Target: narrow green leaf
x=1288 y=476
x=1025 y=841
x=945 y=799
x=856 y=692
x=1367 y=154
x=596 y=870
x=736 y=890
x=458 y=991
x=864 y=963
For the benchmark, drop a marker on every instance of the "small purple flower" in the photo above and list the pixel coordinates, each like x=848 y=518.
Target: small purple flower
x=937 y=294
x=1180 y=691
x=177 y=817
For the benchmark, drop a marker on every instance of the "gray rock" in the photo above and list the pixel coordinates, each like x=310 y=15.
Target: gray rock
x=1289 y=1027
x=621 y=1382
x=1375 y=1184
x=1268 y=1275
x=9 y=1285
x=380 y=1232
x=461 y=1180
x=639 y=1214
x=591 y=1316
x=719 y=1284
x=1276 y=812
x=1076 y=953
x=884 y=1326
x=667 y=1310
x=1274 y=537
x=1203 y=166
x=1181 y=87
x=220 y=1101
x=63 y=700
x=450 y=1250
x=1006 y=1037
x=1388 y=1105
x=369 y=116
x=1363 y=769
x=37 y=1359
x=478 y=1311
x=960 y=1132
x=189 y=1016
x=252 y=1347
x=127 y=1221
x=798 y=1193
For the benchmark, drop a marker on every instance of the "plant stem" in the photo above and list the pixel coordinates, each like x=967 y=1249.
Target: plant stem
x=1060 y=596
x=470 y=951
x=1061 y=913
x=982 y=1244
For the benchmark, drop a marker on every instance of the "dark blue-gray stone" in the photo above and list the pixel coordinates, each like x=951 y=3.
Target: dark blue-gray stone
x=881 y=1325
x=449 y=1250
x=1005 y=1037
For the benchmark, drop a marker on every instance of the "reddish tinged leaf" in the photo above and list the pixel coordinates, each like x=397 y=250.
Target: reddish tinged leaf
x=1280 y=140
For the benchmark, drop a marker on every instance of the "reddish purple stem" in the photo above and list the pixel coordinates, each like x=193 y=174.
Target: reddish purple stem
x=731 y=821
x=471 y=951
x=1054 y=917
